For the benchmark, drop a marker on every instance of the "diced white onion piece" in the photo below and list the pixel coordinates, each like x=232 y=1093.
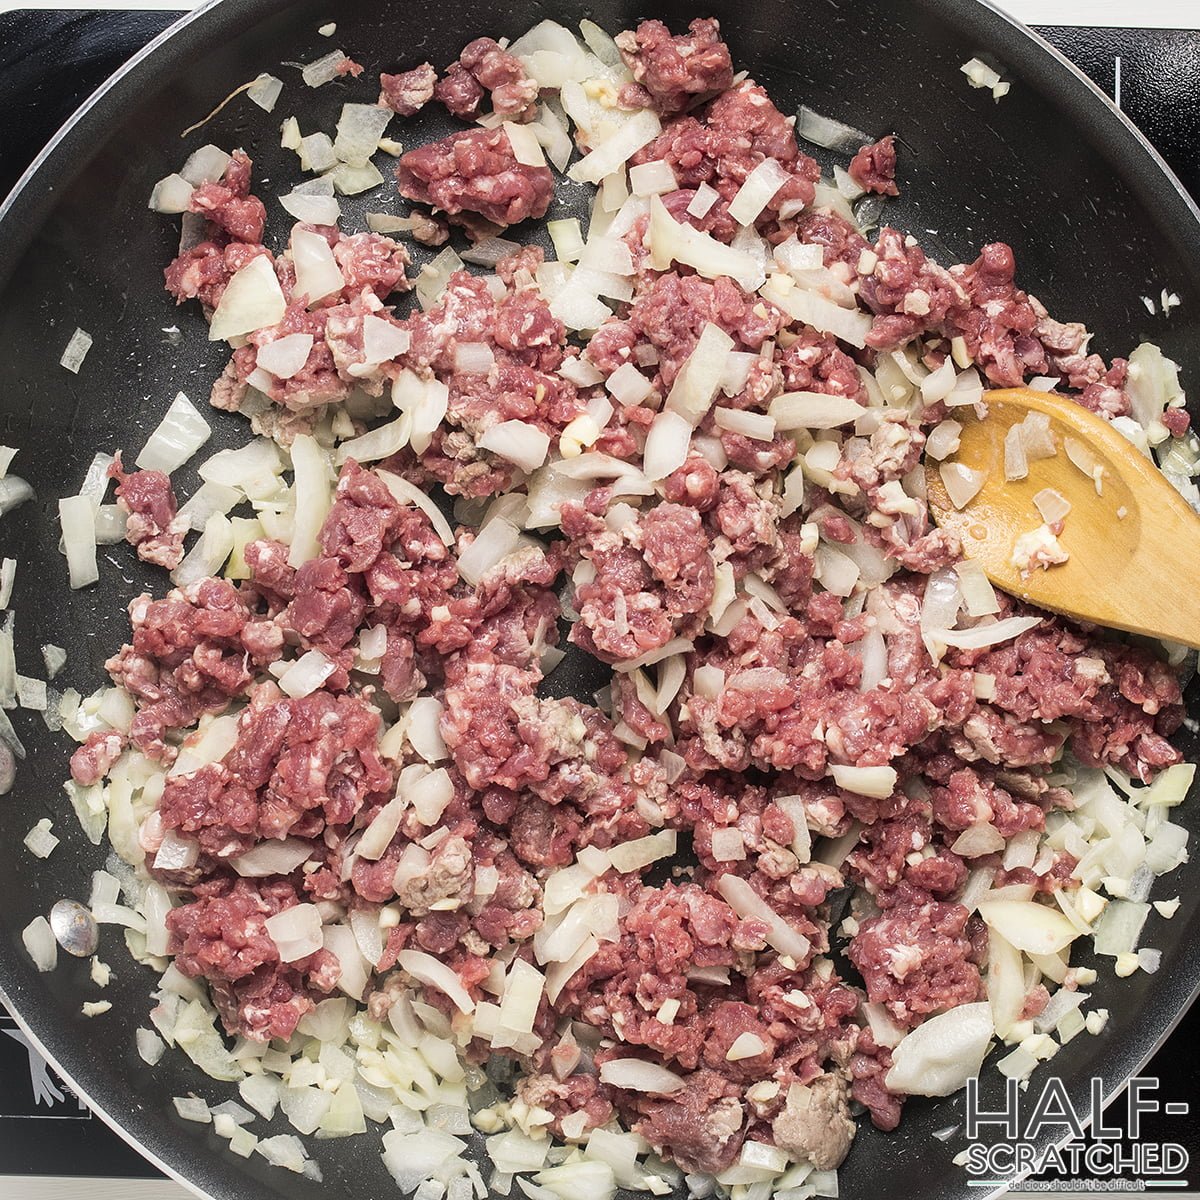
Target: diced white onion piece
x=979 y=74
x=273 y=857
x=359 y=129
x=795 y=256
x=968 y=390
x=757 y=191
x=423 y=720
x=757 y=426
x=672 y=242
x=1118 y=930
x=1053 y=505
x=285 y=356
x=38 y=939
x=296 y=931
x=703 y=201
x=178 y=436
x=1016 y=465
x=828 y=133
x=978 y=595
x=728 y=845
x=811 y=308
x=317 y=272
x=252 y=300
x=937 y=385
x=1029 y=926
x=526 y=148
x=518 y=442
x=942 y=1053
x=878 y=782
x=641 y=852
x=653 y=179
x=265 y=91
x=206 y=165
x=489 y=251
x=424 y=403
x=428 y=970
x=324 y=69
x=473 y=358
x=383 y=341
x=637 y=1075
x=943 y=439
x=667 y=442
x=746 y=902
x=493 y=543
x=617 y=148
x=171 y=194
x=13 y=491
x=700 y=376
x=962 y=483
x=407 y=493
x=208 y=555
x=551 y=131
x=176 y=852
x=982 y=636
x=835 y=570
x=340 y=941
x=306 y=674
x=39 y=841
x=381 y=442
x=313 y=493
x=430 y=795
x=78 y=519
x=628 y=386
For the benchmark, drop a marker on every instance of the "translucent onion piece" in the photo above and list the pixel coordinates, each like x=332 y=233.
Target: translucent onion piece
x=826 y=132
x=757 y=191
x=252 y=300
x=178 y=436
x=962 y=483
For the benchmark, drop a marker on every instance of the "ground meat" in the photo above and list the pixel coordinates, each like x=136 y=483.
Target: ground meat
x=95 y=758
x=476 y=172
x=407 y=93
x=815 y=1124
x=203 y=272
x=485 y=68
x=701 y=1127
x=228 y=205
x=152 y=526
x=677 y=71
x=874 y=167
x=916 y=960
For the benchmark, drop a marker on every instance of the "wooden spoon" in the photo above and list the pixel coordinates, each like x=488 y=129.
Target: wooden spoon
x=1133 y=542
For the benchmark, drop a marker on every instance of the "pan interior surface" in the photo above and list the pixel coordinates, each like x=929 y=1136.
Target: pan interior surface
x=1094 y=221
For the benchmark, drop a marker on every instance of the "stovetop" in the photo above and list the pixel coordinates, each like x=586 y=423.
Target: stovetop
x=50 y=61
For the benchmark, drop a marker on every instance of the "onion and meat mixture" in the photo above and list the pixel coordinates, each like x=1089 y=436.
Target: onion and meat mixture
x=831 y=829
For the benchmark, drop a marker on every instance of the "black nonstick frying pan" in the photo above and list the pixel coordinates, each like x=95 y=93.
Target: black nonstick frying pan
x=1095 y=219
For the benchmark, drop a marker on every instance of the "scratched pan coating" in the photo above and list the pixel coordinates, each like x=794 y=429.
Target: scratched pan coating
x=1094 y=217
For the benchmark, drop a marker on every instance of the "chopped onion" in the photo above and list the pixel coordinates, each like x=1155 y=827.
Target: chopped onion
x=756 y=426
x=208 y=555
x=810 y=308
x=757 y=191
x=407 y=493
x=652 y=178
x=317 y=272
x=306 y=674
x=1029 y=926
x=699 y=377
x=836 y=571
x=795 y=256
x=78 y=518
x=428 y=970
x=519 y=442
x=526 y=147
x=423 y=728
x=206 y=165
x=383 y=341
x=667 y=442
x=943 y=439
x=703 y=201
x=962 y=484
x=296 y=931
x=177 y=437
x=265 y=91
x=272 y=857
x=1053 y=505
x=493 y=543
x=1016 y=465
x=728 y=845
x=637 y=1075
x=39 y=841
x=671 y=242
x=40 y=945
x=628 y=386
x=617 y=148
x=937 y=385
x=746 y=902
x=979 y=598
x=359 y=129
x=551 y=131
x=987 y=635
x=324 y=69
x=828 y=133
x=285 y=356
x=252 y=300
x=171 y=194
x=878 y=782
x=942 y=1053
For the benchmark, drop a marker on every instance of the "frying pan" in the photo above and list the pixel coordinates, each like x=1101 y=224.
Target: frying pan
x=1096 y=221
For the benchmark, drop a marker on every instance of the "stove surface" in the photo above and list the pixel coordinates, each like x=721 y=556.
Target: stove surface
x=51 y=60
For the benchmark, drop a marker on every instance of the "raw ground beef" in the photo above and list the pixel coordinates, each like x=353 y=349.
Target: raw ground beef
x=476 y=172
x=782 y=672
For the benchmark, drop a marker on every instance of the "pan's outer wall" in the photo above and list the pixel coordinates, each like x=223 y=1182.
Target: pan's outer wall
x=1052 y=170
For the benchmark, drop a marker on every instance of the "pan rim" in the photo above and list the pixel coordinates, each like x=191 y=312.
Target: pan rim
x=1141 y=168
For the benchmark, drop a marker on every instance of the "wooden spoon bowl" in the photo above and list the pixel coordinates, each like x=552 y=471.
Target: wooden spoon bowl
x=1133 y=542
